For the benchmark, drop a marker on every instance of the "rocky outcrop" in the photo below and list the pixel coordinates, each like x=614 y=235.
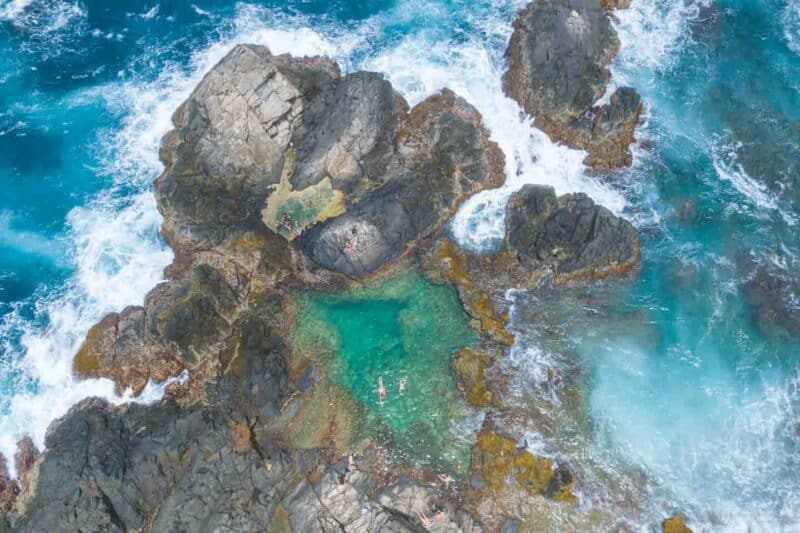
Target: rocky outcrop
x=497 y=461
x=443 y=156
x=675 y=524
x=337 y=161
x=9 y=489
x=166 y=468
x=25 y=462
x=547 y=237
x=570 y=235
x=282 y=174
x=558 y=59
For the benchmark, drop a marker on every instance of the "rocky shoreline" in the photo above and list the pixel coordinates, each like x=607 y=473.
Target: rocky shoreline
x=282 y=175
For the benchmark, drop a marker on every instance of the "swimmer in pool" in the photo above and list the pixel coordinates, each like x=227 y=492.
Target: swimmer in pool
x=402 y=385
x=381 y=391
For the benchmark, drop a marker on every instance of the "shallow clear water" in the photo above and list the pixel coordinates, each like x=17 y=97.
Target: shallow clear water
x=404 y=329
x=680 y=383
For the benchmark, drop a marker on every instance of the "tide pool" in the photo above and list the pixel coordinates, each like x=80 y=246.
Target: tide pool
x=402 y=329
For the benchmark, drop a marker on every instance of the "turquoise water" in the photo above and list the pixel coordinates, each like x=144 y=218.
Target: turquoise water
x=683 y=382
x=402 y=330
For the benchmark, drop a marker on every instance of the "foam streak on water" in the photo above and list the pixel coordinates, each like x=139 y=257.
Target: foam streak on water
x=10 y=9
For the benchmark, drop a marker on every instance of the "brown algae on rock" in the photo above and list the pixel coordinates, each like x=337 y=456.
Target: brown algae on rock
x=500 y=462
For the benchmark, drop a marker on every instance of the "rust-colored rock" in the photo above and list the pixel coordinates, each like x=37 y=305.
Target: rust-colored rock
x=676 y=524
x=469 y=369
x=24 y=461
x=500 y=464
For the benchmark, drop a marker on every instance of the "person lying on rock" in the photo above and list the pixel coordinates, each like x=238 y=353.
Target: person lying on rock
x=438 y=516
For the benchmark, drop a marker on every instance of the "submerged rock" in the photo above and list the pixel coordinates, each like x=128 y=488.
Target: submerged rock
x=773 y=297
x=558 y=59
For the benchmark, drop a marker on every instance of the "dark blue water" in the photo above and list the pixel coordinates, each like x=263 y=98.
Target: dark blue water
x=690 y=370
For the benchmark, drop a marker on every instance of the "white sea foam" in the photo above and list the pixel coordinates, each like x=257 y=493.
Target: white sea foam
x=724 y=156
x=10 y=9
x=650 y=32
x=27 y=241
x=53 y=16
x=790 y=18
x=729 y=169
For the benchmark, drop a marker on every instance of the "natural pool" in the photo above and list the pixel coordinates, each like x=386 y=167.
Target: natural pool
x=407 y=328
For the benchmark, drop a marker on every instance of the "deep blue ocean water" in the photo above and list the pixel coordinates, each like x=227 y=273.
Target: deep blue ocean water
x=683 y=382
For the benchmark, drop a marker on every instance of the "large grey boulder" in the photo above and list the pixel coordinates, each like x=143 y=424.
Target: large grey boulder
x=155 y=468
x=338 y=160
x=443 y=155
x=229 y=142
x=558 y=59
x=569 y=235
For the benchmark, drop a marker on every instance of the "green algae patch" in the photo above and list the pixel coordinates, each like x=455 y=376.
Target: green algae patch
x=289 y=212
x=401 y=330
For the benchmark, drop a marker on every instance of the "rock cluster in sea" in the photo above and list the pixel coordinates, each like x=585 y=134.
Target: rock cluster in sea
x=282 y=174
x=559 y=58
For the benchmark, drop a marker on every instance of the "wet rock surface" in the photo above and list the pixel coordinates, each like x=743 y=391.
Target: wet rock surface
x=558 y=59
x=548 y=238
x=568 y=235
x=281 y=174
x=675 y=524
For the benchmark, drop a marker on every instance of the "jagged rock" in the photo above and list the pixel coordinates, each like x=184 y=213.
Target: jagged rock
x=558 y=69
x=565 y=239
x=178 y=327
x=469 y=368
x=9 y=489
x=190 y=315
x=229 y=140
x=570 y=234
x=161 y=468
x=340 y=156
x=443 y=155
x=675 y=524
x=25 y=461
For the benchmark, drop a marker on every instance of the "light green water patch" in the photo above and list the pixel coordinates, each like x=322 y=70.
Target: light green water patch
x=405 y=328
